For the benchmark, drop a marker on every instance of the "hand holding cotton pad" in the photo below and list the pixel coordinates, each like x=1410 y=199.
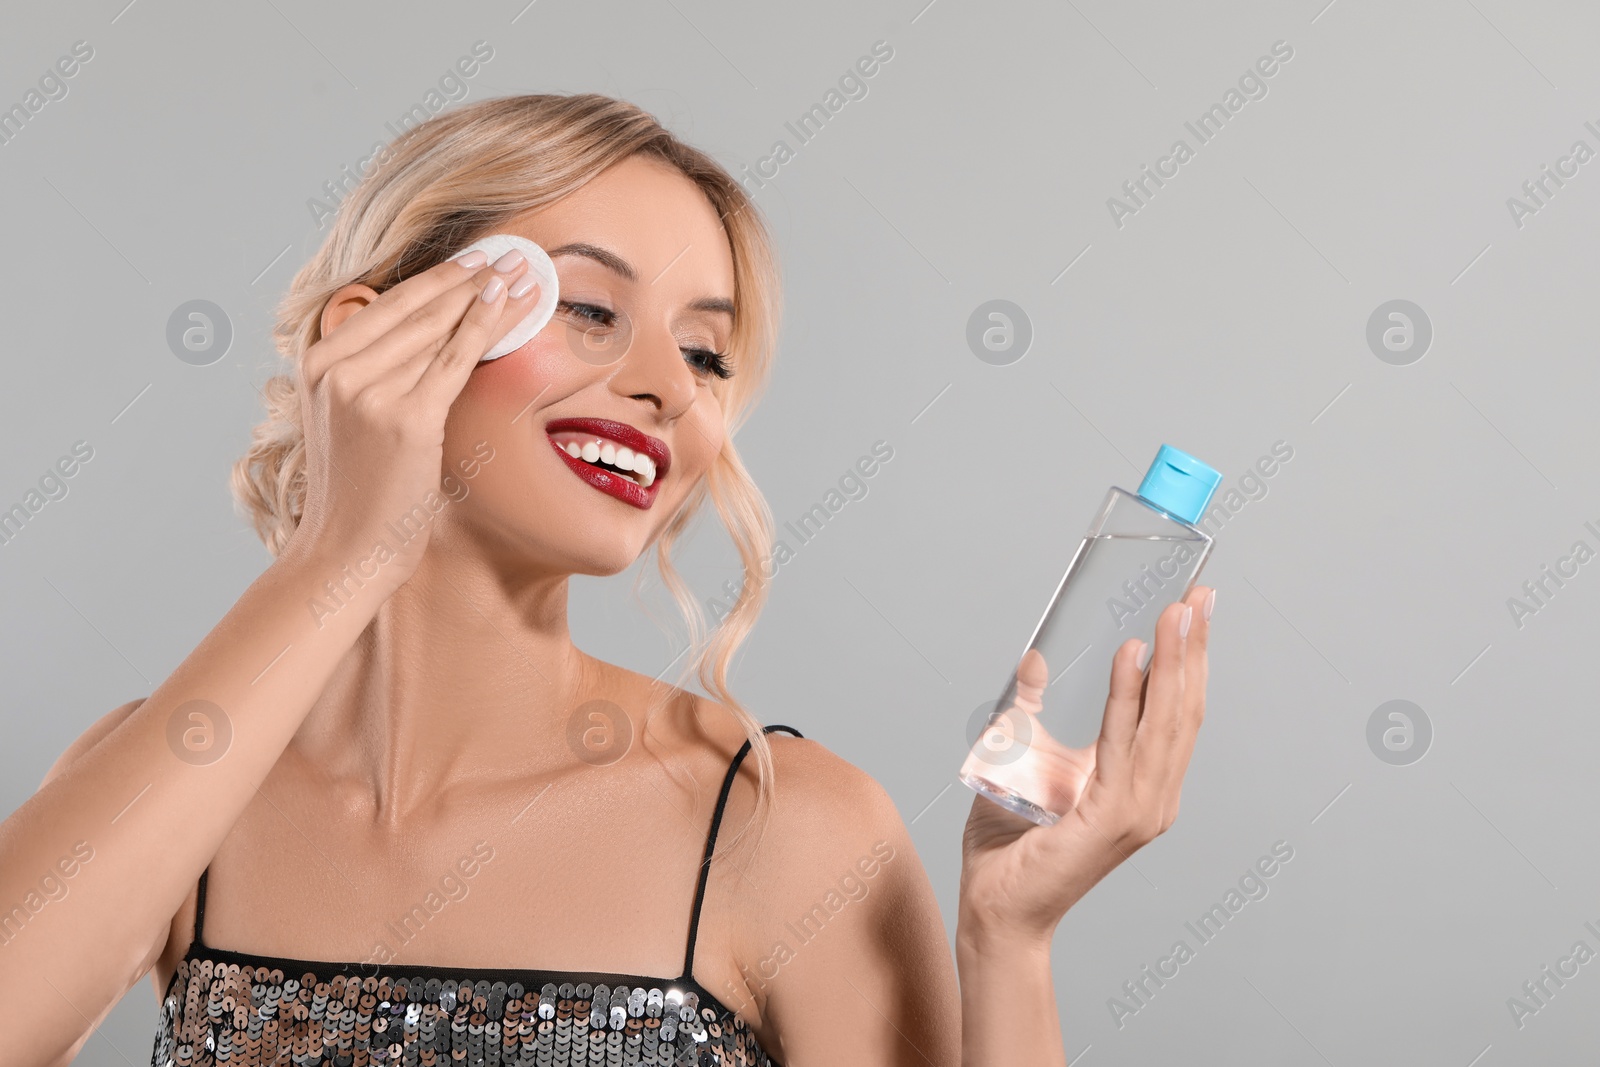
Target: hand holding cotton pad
x=498 y=244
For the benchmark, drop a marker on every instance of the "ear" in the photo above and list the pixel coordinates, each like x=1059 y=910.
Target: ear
x=344 y=303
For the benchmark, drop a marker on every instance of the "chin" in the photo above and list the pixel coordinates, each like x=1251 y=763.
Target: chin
x=604 y=568
x=600 y=560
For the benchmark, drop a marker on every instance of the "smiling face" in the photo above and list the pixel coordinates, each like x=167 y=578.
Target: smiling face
x=626 y=367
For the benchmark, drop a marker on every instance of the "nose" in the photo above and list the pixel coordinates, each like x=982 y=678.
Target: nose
x=653 y=370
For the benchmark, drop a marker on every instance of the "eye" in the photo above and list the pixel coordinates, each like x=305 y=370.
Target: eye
x=588 y=314
x=596 y=322
x=709 y=362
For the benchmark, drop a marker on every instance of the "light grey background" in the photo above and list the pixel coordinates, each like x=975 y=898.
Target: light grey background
x=1229 y=313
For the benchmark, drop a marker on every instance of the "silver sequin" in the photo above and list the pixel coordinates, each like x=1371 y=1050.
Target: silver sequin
x=223 y=1014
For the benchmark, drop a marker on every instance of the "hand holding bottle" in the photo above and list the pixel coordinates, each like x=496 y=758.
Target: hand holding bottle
x=1023 y=756
x=1018 y=878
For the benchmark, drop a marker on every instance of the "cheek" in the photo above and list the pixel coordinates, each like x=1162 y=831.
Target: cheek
x=506 y=385
x=708 y=431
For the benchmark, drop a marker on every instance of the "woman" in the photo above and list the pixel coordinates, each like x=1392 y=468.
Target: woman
x=386 y=812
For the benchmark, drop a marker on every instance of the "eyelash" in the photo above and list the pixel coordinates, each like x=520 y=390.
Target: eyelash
x=714 y=362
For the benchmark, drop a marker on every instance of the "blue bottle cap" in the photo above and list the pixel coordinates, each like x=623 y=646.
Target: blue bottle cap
x=1179 y=484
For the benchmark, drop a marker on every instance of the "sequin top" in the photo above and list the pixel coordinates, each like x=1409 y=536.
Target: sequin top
x=247 y=1010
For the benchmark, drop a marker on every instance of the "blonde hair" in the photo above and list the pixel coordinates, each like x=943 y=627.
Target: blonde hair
x=458 y=176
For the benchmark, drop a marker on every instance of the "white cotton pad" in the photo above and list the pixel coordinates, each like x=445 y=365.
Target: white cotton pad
x=497 y=245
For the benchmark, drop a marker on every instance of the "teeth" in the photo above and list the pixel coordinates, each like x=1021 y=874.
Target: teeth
x=600 y=450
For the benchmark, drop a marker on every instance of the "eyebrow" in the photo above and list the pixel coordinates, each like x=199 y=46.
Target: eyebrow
x=616 y=264
x=713 y=303
x=605 y=258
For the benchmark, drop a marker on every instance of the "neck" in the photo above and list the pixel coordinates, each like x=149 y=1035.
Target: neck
x=460 y=677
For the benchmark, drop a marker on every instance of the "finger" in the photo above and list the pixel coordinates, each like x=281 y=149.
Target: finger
x=394 y=361
x=448 y=366
x=1033 y=675
x=1194 y=688
x=440 y=379
x=1196 y=660
x=1162 y=720
x=391 y=307
x=1120 y=723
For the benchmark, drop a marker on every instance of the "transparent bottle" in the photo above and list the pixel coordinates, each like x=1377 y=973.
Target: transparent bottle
x=1142 y=552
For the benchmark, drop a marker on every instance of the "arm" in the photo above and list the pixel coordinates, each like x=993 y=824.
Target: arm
x=94 y=866
x=135 y=823
x=85 y=741
x=1008 y=1002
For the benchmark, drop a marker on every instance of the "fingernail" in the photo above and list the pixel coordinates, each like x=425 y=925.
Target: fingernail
x=1183 y=620
x=474 y=259
x=1144 y=654
x=521 y=287
x=1211 y=601
x=508 y=262
x=491 y=292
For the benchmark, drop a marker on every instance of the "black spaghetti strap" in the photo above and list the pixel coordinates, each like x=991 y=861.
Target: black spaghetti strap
x=200 y=905
x=711 y=844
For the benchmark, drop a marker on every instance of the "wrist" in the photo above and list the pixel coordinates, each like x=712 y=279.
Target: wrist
x=980 y=939
x=333 y=580
x=1008 y=997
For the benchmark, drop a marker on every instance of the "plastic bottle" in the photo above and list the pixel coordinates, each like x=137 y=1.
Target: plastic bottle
x=1142 y=552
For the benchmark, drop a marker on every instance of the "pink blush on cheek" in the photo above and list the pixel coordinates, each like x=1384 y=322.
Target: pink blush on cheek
x=512 y=381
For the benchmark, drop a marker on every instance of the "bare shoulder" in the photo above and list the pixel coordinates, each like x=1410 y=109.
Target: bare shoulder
x=828 y=885
x=831 y=886
x=91 y=737
x=828 y=817
x=836 y=831
x=816 y=788
x=830 y=824
x=816 y=792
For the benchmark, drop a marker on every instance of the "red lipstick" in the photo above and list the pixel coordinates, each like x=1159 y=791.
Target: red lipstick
x=620 y=485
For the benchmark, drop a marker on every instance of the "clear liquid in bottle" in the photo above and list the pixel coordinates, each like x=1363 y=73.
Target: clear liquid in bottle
x=1141 y=553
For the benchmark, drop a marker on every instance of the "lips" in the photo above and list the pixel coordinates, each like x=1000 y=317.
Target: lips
x=638 y=456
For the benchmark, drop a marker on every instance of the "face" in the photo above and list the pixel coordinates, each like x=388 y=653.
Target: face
x=624 y=366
